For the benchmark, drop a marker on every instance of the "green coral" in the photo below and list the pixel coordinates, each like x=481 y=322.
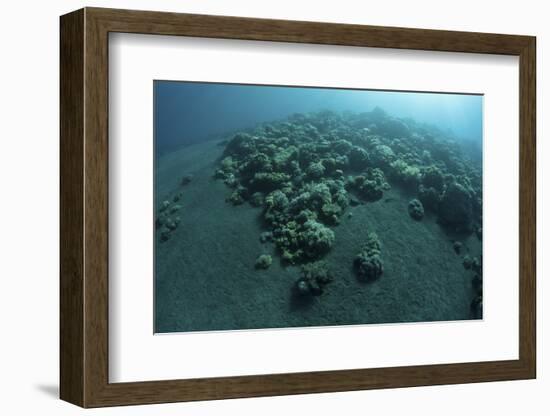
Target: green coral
x=358 y=158
x=432 y=177
x=315 y=170
x=268 y=181
x=174 y=208
x=429 y=197
x=408 y=176
x=314 y=277
x=304 y=173
x=455 y=208
x=316 y=239
x=238 y=196
x=416 y=209
x=331 y=213
x=241 y=144
x=370 y=185
x=257 y=199
x=368 y=263
x=165 y=205
x=263 y=261
x=382 y=156
x=166 y=222
x=305 y=241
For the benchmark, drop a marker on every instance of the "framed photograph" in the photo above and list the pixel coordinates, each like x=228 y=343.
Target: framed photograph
x=255 y=207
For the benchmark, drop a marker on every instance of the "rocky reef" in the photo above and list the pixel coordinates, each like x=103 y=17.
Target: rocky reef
x=416 y=209
x=168 y=219
x=368 y=263
x=314 y=277
x=473 y=264
x=305 y=171
x=263 y=261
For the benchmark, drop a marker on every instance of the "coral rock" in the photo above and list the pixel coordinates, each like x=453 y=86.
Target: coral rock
x=368 y=263
x=315 y=276
x=455 y=208
x=457 y=247
x=186 y=180
x=263 y=261
x=416 y=210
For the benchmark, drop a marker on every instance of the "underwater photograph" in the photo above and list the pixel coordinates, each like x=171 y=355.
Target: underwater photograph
x=294 y=206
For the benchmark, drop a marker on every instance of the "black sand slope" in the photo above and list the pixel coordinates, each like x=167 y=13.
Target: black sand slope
x=205 y=277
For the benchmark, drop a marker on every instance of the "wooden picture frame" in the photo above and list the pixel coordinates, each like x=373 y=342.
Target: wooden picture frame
x=84 y=207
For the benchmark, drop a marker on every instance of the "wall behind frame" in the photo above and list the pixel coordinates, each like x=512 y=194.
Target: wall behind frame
x=29 y=169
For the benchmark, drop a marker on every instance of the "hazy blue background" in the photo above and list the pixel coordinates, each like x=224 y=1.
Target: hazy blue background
x=187 y=112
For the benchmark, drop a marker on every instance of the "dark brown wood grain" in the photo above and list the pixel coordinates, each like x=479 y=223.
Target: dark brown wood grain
x=71 y=208
x=84 y=207
x=527 y=208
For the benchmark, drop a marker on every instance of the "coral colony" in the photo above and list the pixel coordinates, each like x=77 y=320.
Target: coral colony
x=306 y=171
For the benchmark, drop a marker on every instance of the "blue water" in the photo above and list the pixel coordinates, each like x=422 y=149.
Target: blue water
x=188 y=112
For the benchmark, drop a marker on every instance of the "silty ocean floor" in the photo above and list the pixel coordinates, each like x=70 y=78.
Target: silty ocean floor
x=206 y=279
